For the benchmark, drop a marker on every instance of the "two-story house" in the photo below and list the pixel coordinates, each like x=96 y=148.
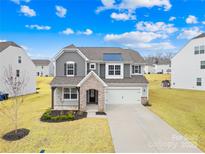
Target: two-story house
x=188 y=66
x=14 y=59
x=42 y=67
x=97 y=75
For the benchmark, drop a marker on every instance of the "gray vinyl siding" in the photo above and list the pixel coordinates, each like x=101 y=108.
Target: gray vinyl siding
x=96 y=70
x=70 y=56
x=126 y=70
x=102 y=70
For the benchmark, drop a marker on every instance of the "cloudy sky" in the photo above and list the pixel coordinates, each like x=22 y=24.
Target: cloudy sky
x=43 y=27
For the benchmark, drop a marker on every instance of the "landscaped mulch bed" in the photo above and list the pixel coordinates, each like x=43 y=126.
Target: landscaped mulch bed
x=12 y=136
x=101 y=113
x=62 y=116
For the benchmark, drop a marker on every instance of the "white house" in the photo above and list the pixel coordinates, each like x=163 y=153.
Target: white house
x=13 y=57
x=162 y=68
x=42 y=67
x=188 y=66
x=149 y=69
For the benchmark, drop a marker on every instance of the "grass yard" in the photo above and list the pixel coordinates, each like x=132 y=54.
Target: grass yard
x=86 y=135
x=182 y=109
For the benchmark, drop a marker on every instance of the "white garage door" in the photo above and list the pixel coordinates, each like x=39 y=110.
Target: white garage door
x=123 y=96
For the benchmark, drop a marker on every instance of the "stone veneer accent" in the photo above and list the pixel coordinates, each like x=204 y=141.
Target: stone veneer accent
x=92 y=83
x=144 y=100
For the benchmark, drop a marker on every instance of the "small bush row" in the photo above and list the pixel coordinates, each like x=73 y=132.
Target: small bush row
x=47 y=116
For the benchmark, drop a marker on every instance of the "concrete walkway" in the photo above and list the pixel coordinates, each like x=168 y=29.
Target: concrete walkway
x=136 y=129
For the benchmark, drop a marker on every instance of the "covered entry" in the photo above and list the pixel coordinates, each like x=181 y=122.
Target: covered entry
x=92 y=96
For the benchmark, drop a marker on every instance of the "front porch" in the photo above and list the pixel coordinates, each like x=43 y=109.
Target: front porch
x=86 y=94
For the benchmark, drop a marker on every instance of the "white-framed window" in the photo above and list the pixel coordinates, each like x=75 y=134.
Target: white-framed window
x=17 y=73
x=202 y=64
x=70 y=94
x=198 y=81
x=196 y=50
x=114 y=70
x=19 y=59
x=136 y=69
x=199 y=49
x=92 y=66
x=70 y=68
x=202 y=48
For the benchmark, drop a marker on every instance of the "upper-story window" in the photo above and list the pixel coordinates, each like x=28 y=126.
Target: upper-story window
x=70 y=68
x=198 y=81
x=202 y=64
x=202 y=48
x=17 y=73
x=136 y=69
x=92 y=66
x=199 y=49
x=114 y=70
x=19 y=59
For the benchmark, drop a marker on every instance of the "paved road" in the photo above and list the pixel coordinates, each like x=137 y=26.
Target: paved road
x=136 y=129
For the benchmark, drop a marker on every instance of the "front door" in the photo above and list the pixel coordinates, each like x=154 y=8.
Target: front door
x=92 y=96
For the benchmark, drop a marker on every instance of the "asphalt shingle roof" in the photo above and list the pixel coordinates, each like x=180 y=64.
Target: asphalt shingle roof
x=41 y=62
x=96 y=53
x=63 y=80
x=67 y=81
x=200 y=36
x=4 y=45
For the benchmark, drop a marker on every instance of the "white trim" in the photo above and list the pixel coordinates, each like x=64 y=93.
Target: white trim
x=70 y=94
x=70 y=75
x=70 y=50
x=87 y=77
x=123 y=88
x=92 y=64
x=54 y=65
x=107 y=76
x=86 y=69
x=134 y=69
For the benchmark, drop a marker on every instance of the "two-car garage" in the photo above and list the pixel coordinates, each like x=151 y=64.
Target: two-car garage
x=123 y=95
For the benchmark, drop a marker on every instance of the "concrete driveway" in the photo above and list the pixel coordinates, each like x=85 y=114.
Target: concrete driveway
x=136 y=129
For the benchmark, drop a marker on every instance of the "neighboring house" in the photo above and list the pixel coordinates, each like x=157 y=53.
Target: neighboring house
x=149 y=69
x=51 y=68
x=188 y=66
x=163 y=68
x=97 y=75
x=13 y=56
x=42 y=67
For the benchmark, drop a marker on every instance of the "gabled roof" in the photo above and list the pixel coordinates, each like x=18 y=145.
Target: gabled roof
x=96 y=53
x=88 y=76
x=199 y=36
x=70 y=46
x=41 y=62
x=4 y=45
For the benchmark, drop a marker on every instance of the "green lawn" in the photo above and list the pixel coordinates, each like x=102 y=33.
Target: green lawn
x=86 y=135
x=182 y=109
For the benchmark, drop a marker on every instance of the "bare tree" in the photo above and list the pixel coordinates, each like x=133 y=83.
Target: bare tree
x=169 y=55
x=14 y=84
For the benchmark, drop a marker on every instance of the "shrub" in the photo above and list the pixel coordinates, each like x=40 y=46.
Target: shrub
x=49 y=116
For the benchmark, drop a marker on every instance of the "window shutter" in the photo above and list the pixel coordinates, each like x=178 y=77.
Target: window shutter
x=75 y=69
x=140 y=69
x=65 y=69
x=133 y=69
